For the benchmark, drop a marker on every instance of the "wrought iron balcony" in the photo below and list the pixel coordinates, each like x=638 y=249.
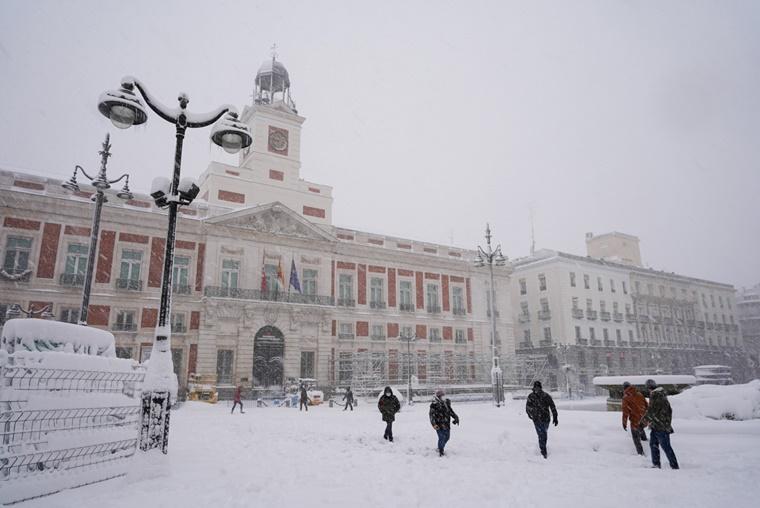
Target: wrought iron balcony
x=605 y=316
x=459 y=311
x=544 y=315
x=595 y=342
x=346 y=336
x=631 y=318
x=376 y=336
x=129 y=284
x=181 y=289
x=346 y=302
x=16 y=274
x=435 y=338
x=376 y=305
x=73 y=280
x=609 y=342
x=269 y=296
x=524 y=318
x=577 y=313
x=582 y=342
x=433 y=309
x=406 y=307
x=591 y=314
x=125 y=327
x=618 y=317
x=622 y=343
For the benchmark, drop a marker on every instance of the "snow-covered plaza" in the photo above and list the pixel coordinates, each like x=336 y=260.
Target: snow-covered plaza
x=280 y=457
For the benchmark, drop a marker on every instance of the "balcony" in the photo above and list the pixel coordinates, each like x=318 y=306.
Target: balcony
x=596 y=342
x=643 y=319
x=376 y=305
x=591 y=314
x=16 y=275
x=181 y=289
x=631 y=318
x=581 y=342
x=72 y=280
x=346 y=336
x=544 y=315
x=636 y=343
x=577 y=313
x=459 y=311
x=377 y=336
x=617 y=316
x=406 y=307
x=609 y=342
x=129 y=284
x=622 y=343
x=124 y=327
x=179 y=328
x=605 y=316
x=523 y=318
x=526 y=345
x=545 y=343
x=433 y=309
x=270 y=296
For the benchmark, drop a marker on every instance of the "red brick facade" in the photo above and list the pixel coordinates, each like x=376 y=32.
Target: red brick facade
x=13 y=222
x=445 y=292
x=391 y=287
x=51 y=235
x=156 y=268
x=149 y=318
x=421 y=331
x=447 y=333
x=469 y=296
x=76 y=231
x=392 y=330
x=97 y=315
x=105 y=256
x=361 y=296
x=420 y=291
x=231 y=197
x=199 y=267
x=195 y=320
x=276 y=175
x=28 y=185
x=362 y=328
x=314 y=212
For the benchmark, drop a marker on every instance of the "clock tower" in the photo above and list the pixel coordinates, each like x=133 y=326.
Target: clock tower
x=269 y=170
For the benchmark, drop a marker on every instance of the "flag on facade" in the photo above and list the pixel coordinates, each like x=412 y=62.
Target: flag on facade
x=263 y=280
x=294 y=276
x=280 y=276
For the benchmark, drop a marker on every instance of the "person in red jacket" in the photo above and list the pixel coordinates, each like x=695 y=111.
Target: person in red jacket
x=634 y=408
x=237 y=400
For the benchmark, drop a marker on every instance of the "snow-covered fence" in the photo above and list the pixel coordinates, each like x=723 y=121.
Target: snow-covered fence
x=65 y=420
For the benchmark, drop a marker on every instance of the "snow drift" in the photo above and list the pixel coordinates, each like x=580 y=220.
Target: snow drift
x=44 y=336
x=719 y=402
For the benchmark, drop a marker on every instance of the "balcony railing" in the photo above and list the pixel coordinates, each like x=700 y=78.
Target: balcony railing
x=545 y=343
x=526 y=345
x=622 y=343
x=182 y=289
x=179 y=328
x=459 y=311
x=544 y=315
x=618 y=317
x=631 y=318
x=346 y=302
x=433 y=309
x=270 y=296
x=125 y=327
x=129 y=284
x=590 y=314
x=17 y=275
x=524 y=318
x=435 y=338
x=577 y=313
x=346 y=336
x=406 y=307
x=609 y=342
x=582 y=342
x=377 y=336
x=73 y=280
x=596 y=342
x=376 y=305
x=605 y=316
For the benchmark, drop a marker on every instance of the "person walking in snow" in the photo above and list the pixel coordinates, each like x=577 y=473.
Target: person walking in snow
x=659 y=417
x=634 y=407
x=388 y=406
x=441 y=415
x=349 y=398
x=304 y=401
x=236 y=399
x=537 y=408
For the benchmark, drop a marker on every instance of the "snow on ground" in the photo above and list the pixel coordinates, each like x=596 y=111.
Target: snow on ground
x=280 y=457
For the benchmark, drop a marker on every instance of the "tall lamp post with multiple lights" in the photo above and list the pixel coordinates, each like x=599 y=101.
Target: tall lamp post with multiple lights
x=492 y=257
x=408 y=338
x=101 y=183
x=124 y=108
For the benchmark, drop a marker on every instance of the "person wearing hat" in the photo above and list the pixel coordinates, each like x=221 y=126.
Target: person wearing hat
x=537 y=407
x=659 y=417
x=388 y=406
x=441 y=415
x=634 y=406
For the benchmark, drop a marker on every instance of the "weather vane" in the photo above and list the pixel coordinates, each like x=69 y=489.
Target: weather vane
x=274 y=50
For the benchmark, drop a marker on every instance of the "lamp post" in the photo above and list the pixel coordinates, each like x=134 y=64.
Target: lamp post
x=492 y=257
x=101 y=184
x=409 y=339
x=124 y=108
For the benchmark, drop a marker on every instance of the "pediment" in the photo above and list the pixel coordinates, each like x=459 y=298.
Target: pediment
x=274 y=219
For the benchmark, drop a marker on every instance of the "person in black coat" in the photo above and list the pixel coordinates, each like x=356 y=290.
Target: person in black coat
x=537 y=407
x=388 y=406
x=349 y=398
x=304 y=401
x=441 y=415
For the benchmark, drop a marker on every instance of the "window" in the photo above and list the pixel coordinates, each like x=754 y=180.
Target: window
x=376 y=293
x=273 y=281
x=586 y=282
x=592 y=333
x=544 y=305
x=124 y=352
x=578 y=332
x=625 y=288
x=181 y=275
x=602 y=306
x=125 y=321
x=405 y=295
x=17 y=251
x=630 y=335
x=177 y=361
x=307 y=364
x=612 y=285
x=575 y=302
x=346 y=331
x=224 y=366
x=662 y=291
x=627 y=308
x=720 y=301
x=432 y=298
x=606 y=334
x=145 y=353
x=523 y=287
x=547 y=333
x=589 y=304
x=346 y=290
x=572 y=279
x=407 y=331
x=524 y=308
x=638 y=287
x=309 y=286
x=459 y=336
x=615 y=307
x=69 y=315
x=650 y=289
x=434 y=334
x=526 y=335
x=599 y=285
x=129 y=273
x=230 y=273
x=457 y=299
x=378 y=332
x=179 y=322
x=541 y=282
x=76 y=260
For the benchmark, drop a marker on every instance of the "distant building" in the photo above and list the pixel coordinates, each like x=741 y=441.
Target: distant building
x=588 y=316
x=748 y=309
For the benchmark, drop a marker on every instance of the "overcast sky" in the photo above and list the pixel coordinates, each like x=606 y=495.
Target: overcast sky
x=431 y=118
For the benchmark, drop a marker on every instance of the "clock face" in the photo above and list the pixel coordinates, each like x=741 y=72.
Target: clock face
x=278 y=140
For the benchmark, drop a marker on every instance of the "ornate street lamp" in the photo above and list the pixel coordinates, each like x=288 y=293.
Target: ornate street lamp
x=101 y=184
x=491 y=257
x=124 y=108
x=408 y=339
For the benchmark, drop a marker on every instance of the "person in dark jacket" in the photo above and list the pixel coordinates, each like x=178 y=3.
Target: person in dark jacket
x=659 y=417
x=537 y=407
x=634 y=406
x=304 y=401
x=388 y=406
x=236 y=399
x=349 y=398
x=441 y=415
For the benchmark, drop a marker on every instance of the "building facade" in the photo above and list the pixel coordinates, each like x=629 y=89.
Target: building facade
x=748 y=307
x=266 y=289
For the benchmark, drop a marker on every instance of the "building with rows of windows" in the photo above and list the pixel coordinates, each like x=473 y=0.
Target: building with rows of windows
x=265 y=288
x=605 y=314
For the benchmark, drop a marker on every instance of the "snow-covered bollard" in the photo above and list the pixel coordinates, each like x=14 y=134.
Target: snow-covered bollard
x=159 y=389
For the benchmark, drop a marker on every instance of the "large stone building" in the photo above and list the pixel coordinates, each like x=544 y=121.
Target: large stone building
x=748 y=306
x=605 y=314
x=236 y=318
